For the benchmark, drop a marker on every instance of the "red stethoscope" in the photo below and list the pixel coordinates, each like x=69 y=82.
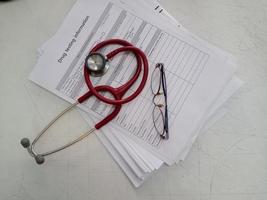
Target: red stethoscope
x=97 y=64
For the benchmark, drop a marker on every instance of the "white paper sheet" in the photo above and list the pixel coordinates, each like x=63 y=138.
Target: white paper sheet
x=210 y=64
x=131 y=148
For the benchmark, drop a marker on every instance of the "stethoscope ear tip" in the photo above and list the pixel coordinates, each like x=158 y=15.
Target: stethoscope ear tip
x=39 y=159
x=25 y=142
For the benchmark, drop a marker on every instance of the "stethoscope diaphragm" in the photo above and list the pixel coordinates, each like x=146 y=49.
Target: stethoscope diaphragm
x=97 y=64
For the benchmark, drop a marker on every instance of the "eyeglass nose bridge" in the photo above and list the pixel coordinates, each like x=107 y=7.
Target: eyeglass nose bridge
x=159 y=104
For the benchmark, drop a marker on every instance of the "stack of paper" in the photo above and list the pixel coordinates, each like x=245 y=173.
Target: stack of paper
x=200 y=79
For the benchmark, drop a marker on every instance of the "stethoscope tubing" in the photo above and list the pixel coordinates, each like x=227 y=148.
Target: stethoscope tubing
x=141 y=61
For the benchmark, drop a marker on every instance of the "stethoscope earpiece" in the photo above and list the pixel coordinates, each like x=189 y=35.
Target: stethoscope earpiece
x=25 y=142
x=39 y=159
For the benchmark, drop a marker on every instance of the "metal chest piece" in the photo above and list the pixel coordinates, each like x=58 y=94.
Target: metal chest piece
x=97 y=64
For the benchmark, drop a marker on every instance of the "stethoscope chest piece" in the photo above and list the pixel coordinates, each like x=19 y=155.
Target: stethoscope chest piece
x=97 y=64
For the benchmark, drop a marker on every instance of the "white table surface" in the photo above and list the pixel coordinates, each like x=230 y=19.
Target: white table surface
x=228 y=162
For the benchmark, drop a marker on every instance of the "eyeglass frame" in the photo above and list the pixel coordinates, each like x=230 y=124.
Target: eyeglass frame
x=163 y=85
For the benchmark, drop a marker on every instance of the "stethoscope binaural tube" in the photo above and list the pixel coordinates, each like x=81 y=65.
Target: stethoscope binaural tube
x=39 y=157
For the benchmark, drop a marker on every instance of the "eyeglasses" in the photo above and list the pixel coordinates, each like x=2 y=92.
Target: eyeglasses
x=160 y=110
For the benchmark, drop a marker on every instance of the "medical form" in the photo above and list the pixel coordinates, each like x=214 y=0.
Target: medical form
x=187 y=67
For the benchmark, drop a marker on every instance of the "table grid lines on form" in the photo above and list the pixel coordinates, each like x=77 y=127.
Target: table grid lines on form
x=183 y=62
